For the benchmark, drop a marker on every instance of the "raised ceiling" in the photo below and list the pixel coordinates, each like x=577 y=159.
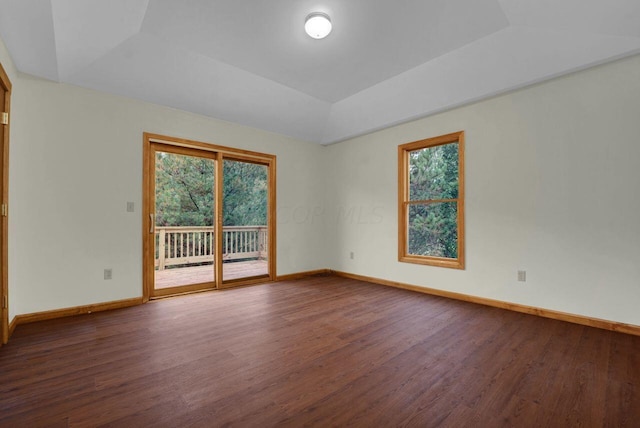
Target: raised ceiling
x=250 y=61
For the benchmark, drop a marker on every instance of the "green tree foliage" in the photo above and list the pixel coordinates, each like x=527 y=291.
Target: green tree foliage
x=433 y=175
x=245 y=194
x=185 y=192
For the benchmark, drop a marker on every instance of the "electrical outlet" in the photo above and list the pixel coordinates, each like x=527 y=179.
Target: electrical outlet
x=130 y=207
x=108 y=273
x=522 y=275
x=351 y=255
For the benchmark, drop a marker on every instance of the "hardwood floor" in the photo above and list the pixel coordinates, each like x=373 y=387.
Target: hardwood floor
x=323 y=351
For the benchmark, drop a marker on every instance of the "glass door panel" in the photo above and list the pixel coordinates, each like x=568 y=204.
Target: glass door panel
x=245 y=231
x=184 y=221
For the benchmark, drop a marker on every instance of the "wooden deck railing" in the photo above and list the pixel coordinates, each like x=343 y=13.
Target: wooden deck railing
x=180 y=245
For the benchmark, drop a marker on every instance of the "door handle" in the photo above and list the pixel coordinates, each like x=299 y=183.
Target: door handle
x=151 y=223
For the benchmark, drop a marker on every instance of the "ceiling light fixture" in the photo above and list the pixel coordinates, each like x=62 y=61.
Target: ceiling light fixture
x=317 y=25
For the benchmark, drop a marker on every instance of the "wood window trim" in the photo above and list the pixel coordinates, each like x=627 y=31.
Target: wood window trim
x=404 y=202
x=220 y=153
x=5 y=85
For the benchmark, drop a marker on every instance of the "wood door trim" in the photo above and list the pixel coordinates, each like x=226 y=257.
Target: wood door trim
x=219 y=217
x=233 y=152
x=5 y=85
x=182 y=289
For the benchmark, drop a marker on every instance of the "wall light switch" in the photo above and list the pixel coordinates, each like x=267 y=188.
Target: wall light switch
x=130 y=207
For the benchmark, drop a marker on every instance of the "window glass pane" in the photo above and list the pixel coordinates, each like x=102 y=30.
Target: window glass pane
x=433 y=173
x=244 y=239
x=433 y=230
x=184 y=231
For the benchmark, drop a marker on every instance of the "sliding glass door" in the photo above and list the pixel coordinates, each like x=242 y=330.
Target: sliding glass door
x=209 y=217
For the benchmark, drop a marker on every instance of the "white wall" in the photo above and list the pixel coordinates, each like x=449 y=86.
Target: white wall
x=76 y=159
x=7 y=62
x=553 y=187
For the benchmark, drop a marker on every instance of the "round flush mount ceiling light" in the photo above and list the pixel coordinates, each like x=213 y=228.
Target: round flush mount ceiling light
x=317 y=25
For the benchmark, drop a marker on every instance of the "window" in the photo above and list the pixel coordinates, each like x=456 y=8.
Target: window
x=431 y=201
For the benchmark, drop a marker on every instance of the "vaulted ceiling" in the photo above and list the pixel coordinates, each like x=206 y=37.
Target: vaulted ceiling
x=250 y=62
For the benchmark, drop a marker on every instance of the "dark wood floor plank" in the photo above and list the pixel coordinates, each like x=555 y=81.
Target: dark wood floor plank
x=323 y=351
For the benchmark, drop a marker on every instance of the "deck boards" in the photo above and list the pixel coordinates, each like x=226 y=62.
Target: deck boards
x=199 y=274
x=322 y=351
